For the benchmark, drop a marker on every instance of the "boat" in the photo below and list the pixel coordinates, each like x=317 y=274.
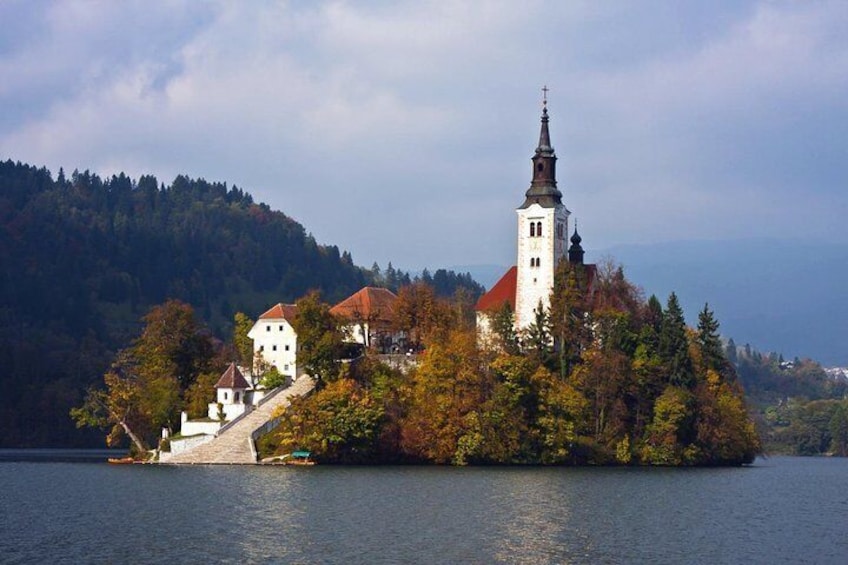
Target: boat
x=121 y=460
x=299 y=458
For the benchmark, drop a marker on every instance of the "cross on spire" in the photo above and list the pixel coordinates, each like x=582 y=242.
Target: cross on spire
x=545 y=90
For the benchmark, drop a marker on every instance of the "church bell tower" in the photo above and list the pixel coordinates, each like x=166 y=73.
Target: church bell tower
x=542 y=231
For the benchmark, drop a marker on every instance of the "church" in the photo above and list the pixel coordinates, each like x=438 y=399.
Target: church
x=542 y=244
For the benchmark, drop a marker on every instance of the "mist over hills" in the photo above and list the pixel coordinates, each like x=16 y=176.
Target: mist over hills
x=778 y=295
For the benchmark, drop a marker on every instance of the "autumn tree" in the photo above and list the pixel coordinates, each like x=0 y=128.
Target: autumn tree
x=446 y=387
x=421 y=315
x=152 y=380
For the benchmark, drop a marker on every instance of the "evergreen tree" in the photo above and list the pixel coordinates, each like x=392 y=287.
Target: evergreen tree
x=674 y=345
x=730 y=352
x=503 y=326
x=708 y=340
x=537 y=337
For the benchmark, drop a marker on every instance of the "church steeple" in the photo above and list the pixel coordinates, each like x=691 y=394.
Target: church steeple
x=543 y=188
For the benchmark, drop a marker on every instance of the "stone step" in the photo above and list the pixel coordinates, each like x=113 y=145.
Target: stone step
x=233 y=445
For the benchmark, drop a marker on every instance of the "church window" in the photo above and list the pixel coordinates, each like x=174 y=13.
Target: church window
x=225 y=396
x=267 y=328
x=540 y=167
x=236 y=397
x=273 y=347
x=532 y=229
x=261 y=348
x=287 y=348
x=281 y=327
x=538 y=262
x=539 y=229
x=559 y=230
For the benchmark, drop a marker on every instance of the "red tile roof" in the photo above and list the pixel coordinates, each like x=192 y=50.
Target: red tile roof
x=284 y=311
x=232 y=378
x=503 y=291
x=370 y=303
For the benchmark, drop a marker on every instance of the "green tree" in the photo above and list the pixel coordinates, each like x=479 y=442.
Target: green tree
x=568 y=315
x=674 y=345
x=537 y=340
x=319 y=336
x=839 y=431
x=242 y=343
x=503 y=328
x=341 y=423
x=708 y=340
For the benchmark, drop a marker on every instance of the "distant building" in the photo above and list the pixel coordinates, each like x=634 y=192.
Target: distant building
x=542 y=233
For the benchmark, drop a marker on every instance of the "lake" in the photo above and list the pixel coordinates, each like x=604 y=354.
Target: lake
x=780 y=510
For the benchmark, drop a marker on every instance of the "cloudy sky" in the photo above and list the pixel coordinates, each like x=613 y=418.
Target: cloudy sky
x=403 y=131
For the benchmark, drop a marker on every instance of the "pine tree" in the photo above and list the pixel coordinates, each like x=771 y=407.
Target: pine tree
x=708 y=339
x=674 y=346
x=730 y=352
x=537 y=336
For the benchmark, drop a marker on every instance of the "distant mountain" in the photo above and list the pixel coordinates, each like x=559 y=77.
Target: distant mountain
x=85 y=257
x=787 y=296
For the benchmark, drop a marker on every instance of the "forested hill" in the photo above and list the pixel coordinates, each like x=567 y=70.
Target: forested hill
x=84 y=258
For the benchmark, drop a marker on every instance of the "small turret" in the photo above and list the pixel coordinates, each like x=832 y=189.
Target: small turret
x=575 y=252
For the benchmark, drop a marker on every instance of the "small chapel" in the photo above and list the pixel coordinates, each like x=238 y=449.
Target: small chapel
x=542 y=243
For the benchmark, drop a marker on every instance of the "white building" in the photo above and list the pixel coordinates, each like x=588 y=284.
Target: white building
x=541 y=243
x=275 y=341
x=232 y=397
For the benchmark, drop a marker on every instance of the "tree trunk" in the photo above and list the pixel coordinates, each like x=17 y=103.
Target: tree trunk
x=134 y=438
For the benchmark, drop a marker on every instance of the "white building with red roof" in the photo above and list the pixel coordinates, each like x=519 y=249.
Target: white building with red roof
x=275 y=341
x=369 y=315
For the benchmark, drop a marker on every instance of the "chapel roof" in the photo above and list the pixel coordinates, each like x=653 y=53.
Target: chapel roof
x=280 y=311
x=370 y=302
x=503 y=291
x=232 y=378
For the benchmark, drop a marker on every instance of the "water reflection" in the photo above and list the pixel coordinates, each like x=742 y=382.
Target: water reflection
x=787 y=511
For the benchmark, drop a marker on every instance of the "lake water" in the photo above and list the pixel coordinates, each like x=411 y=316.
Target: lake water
x=780 y=510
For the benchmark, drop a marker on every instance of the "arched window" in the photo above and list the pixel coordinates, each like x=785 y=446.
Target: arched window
x=538 y=262
x=532 y=229
x=532 y=261
x=539 y=229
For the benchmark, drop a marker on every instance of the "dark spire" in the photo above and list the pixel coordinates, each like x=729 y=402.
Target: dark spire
x=543 y=187
x=575 y=252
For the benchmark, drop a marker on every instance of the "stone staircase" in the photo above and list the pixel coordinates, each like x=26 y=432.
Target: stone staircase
x=234 y=446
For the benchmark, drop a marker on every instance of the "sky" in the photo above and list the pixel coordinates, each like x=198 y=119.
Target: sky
x=402 y=131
